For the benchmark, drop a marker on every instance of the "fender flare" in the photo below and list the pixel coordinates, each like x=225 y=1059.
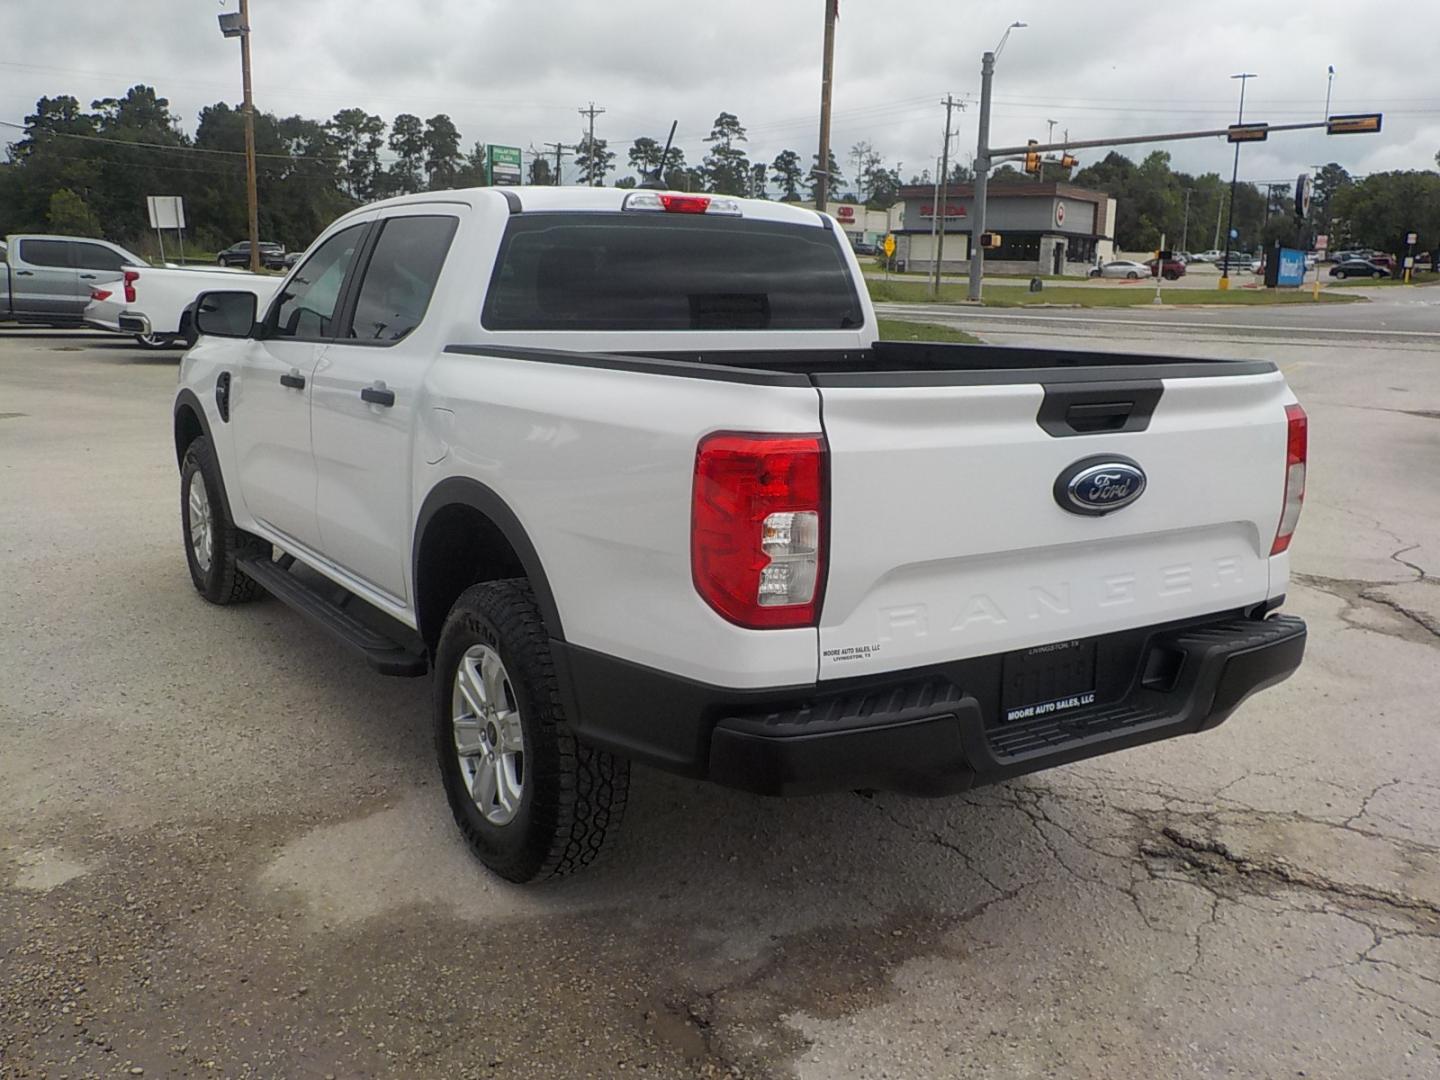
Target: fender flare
x=187 y=398
x=463 y=491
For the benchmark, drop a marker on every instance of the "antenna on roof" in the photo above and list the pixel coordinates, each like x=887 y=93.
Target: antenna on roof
x=656 y=179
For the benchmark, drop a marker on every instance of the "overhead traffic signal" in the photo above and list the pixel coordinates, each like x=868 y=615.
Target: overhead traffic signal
x=990 y=240
x=1353 y=124
x=1067 y=161
x=1032 y=159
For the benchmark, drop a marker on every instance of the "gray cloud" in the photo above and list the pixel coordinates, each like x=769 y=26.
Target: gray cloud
x=516 y=72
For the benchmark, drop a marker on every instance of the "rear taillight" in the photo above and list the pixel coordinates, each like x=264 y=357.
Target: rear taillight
x=99 y=294
x=1296 y=450
x=758 y=528
x=131 y=276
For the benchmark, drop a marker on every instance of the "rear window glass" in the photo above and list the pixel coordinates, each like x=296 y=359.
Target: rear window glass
x=654 y=271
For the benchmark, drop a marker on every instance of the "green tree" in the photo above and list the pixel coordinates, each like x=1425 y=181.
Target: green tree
x=407 y=142
x=645 y=154
x=594 y=162
x=866 y=162
x=758 y=181
x=837 y=178
x=69 y=216
x=443 y=159
x=1380 y=210
x=359 y=137
x=1329 y=179
x=789 y=174
x=541 y=173
x=727 y=169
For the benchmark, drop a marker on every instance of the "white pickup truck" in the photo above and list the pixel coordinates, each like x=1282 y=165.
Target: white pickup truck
x=153 y=302
x=631 y=473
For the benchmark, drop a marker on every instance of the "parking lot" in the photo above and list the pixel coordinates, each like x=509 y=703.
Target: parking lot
x=224 y=850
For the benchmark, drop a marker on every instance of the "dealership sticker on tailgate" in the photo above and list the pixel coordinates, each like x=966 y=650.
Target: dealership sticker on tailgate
x=1047 y=679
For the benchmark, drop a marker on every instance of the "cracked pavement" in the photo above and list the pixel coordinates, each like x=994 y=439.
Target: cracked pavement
x=223 y=852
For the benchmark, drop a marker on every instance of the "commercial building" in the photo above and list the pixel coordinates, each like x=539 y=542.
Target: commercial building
x=1046 y=228
x=863 y=225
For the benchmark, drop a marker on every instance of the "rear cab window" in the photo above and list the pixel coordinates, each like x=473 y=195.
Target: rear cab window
x=634 y=271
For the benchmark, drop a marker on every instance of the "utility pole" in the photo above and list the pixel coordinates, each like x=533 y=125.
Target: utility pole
x=1244 y=77
x=982 y=177
x=1185 y=230
x=1049 y=138
x=934 y=212
x=827 y=74
x=559 y=149
x=591 y=112
x=944 y=190
x=251 y=193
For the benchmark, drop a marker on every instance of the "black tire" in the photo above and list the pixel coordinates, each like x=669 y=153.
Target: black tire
x=221 y=582
x=1133 y=275
x=1095 y=273
x=573 y=795
x=222 y=260
x=155 y=342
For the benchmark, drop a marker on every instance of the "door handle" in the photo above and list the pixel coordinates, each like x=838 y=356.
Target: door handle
x=87 y=277
x=378 y=395
x=24 y=273
x=294 y=379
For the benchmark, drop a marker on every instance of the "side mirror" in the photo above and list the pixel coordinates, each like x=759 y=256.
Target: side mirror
x=225 y=314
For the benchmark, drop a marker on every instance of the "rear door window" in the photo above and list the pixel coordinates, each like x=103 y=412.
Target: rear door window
x=657 y=271
x=400 y=277
x=98 y=257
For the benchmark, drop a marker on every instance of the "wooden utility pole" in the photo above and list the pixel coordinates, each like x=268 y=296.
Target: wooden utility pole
x=251 y=194
x=559 y=149
x=591 y=112
x=944 y=194
x=822 y=159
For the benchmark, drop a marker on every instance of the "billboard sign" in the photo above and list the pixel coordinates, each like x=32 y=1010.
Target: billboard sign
x=1292 y=268
x=503 y=165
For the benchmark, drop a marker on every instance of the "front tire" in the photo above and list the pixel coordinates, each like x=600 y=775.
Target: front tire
x=155 y=341
x=212 y=542
x=531 y=801
x=1133 y=276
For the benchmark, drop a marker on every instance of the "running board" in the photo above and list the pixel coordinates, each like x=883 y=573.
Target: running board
x=384 y=654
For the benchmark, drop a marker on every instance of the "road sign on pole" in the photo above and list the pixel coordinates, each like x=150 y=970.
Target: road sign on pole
x=503 y=165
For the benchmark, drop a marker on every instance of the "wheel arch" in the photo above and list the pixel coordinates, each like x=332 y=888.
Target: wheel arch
x=466 y=534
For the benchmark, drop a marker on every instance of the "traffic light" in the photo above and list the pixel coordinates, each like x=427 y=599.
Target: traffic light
x=1067 y=161
x=990 y=240
x=1032 y=159
x=1353 y=124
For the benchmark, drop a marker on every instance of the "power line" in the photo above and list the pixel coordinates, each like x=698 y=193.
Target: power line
x=591 y=112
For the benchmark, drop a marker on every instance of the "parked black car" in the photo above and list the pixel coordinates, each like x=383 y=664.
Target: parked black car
x=1354 y=267
x=272 y=256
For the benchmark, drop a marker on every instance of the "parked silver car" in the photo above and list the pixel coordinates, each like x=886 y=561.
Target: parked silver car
x=1121 y=268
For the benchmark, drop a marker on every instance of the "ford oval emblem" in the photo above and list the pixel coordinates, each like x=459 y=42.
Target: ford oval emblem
x=1099 y=485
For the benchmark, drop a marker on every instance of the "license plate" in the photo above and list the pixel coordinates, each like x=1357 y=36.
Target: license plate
x=1047 y=679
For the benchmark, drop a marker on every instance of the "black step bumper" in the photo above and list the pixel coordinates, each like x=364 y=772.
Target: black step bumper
x=931 y=731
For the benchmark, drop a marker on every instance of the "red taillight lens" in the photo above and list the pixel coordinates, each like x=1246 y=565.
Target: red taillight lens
x=1296 y=453
x=685 y=204
x=758 y=528
x=99 y=294
x=131 y=276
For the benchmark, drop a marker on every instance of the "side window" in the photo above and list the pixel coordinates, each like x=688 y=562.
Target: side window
x=96 y=257
x=46 y=253
x=306 y=309
x=400 y=277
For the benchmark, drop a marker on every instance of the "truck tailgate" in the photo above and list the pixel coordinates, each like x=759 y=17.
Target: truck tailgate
x=948 y=539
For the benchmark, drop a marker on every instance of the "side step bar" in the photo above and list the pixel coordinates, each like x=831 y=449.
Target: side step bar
x=384 y=654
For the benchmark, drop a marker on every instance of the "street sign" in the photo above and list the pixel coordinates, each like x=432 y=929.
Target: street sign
x=503 y=165
x=1322 y=242
x=1291 y=268
x=1248 y=132
x=1410 y=238
x=889 y=246
x=166 y=211
x=1353 y=124
x=1234 y=234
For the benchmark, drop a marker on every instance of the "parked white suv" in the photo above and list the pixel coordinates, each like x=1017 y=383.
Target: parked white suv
x=630 y=472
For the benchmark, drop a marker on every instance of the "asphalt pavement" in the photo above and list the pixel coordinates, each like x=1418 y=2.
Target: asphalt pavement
x=223 y=850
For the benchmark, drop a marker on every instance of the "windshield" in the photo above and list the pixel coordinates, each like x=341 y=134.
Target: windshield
x=651 y=271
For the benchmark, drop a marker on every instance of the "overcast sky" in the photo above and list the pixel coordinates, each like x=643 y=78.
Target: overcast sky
x=515 y=72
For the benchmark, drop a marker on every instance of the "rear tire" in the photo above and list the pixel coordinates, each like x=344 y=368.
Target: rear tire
x=1133 y=276
x=155 y=341
x=212 y=542
x=531 y=801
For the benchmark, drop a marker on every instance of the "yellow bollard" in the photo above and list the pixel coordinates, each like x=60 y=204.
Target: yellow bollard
x=1224 y=283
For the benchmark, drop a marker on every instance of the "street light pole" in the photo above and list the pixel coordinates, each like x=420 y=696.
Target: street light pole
x=1244 y=77
x=251 y=191
x=982 y=177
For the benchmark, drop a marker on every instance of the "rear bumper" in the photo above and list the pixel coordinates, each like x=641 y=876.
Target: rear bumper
x=930 y=731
